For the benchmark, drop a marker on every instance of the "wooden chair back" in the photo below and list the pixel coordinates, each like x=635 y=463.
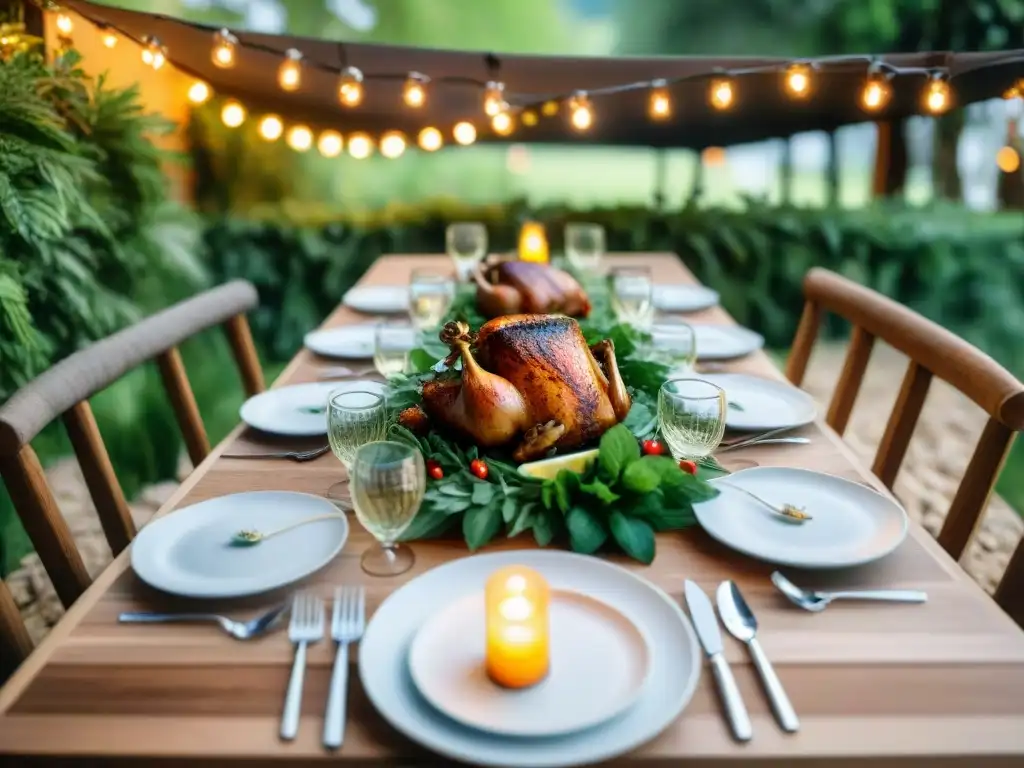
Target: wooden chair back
x=64 y=391
x=933 y=351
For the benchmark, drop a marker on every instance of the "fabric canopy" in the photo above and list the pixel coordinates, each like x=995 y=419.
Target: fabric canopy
x=761 y=110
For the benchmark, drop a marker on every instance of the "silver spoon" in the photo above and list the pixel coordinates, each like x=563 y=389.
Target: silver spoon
x=240 y=630
x=818 y=601
x=787 y=512
x=251 y=537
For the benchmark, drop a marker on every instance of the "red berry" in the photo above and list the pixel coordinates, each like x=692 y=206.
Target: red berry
x=435 y=471
x=653 y=448
x=688 y=466
x=479 y=468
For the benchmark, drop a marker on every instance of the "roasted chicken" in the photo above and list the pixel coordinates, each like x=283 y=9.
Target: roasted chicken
x=527 y=380
x=514 y=287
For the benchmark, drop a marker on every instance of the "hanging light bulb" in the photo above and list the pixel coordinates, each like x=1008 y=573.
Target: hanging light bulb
x=581 y=113
x=271 y=128
x=233 y=114
x=659 y=104
x=798 y=80
x=108 y=37
x=350 y=87
x=937 y=95
x=199 y=92
x=549 y=109
x=720 y=94
x=529 y=118
x=64 y=24
x=329 y=144
x=494 y=98
x=877 y=91
x=299 y=138
x=503 y=123
x=430 y=139
x=289 y=74
x=154 y=54
x=223 y=52
x=1008 y=159
x=464 y=133
x=392 y=144
x=1015 y=91
x=360 y=146
x=414 y=92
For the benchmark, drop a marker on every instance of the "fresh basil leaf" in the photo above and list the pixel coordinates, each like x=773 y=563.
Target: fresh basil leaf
x=683 y=485
x=641 y=476
x=479 y=525
x=421 y=361
x=736 y=406
x=566 y=484
x=604 y=494
x=586 y=532
x=428 y=523
x=639 y=417
x=508 y=510
x=524 y=520
x=451 y=489
x=661 y=514
x=547 y=494
x=634 y=535
x=472 y=453
x=543 y=529
x=454 y=506
x=482 y=494
x=617 y=450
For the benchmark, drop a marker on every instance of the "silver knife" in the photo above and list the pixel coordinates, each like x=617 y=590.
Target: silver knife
x=706 y=623
x=740 y=621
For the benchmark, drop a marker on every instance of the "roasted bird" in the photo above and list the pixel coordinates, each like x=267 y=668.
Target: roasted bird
x=527 y=380
x=514 y=287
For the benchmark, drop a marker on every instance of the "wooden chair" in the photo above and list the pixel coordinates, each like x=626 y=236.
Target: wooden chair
x=64 y=391
x=933 y=351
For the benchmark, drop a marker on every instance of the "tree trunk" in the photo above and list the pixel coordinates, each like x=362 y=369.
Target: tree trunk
x=891 y=159
x=832 y=171
x=786 y=171
x=945 y=172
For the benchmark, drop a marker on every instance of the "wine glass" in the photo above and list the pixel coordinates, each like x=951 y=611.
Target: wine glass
x=466 y=243
x=584 y=246
x=691 y=417
x=431 y=294
x=676 y=344
x=393 y=340
x=631 y=292
x=353 y=419
x=388 y=483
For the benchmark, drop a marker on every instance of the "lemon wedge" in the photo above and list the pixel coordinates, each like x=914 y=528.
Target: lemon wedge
x=546 y=469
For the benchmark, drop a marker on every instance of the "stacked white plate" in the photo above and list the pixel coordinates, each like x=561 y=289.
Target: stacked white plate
x=299 y=410
x=683 y=298
x=757 y=404
x=349 y=342
x=624 y=664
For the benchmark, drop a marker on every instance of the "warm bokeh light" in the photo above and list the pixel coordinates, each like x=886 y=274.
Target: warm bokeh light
x=392 y=144
x=720 y=94
x=659 y=103
x=271 y=128
x=414 y=92
x=503 y=123
x=430 y=139
x=350 y=87
x=199 y=92
x=937 y=96
x=233 y=114
x=64 y=24
x=223 y=53
x=798 y=81
x=529 y=118
x=329 y=144
x=549 y=108
x=360 y=146
x=109 y=39
x=494 y=98
x=713 y=157
x=289 y=74
x=876 y=93
x=464 y=133
x=299 y=138
x=581 y=113
x=154 y=54
x=1008 y=159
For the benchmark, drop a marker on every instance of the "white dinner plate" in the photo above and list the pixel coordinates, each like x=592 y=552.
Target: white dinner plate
x=714 y=342
x=447 y=666
x=851 y=524
x=350 y=342
x=299 y=410
x=675 y=660
x=683 y=298
x=189 y=551
x=378 y=299
x=759 y=404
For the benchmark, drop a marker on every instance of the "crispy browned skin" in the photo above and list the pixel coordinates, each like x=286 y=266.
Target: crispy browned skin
x=511 y=287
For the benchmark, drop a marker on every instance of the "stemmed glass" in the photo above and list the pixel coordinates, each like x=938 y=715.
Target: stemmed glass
x=632 y=295
x=584 y=247
x=466 y=243
x=431 y=294
x=388 y=483
x=354 y=418
x=393 y=340
x=691 y=417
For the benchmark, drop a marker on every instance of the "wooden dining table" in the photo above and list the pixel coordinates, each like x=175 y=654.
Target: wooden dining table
x=938 y=684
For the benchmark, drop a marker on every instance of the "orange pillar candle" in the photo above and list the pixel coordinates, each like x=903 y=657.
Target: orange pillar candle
x=533 y=243
x=518 y=647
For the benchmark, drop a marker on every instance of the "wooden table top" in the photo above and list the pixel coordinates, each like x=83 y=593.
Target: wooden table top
x=889 y=684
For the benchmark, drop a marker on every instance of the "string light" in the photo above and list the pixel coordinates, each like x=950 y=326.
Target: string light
x=937 y=95
x=549 y=108
x=430 y=139
x=464 y=133
x=299 y=138
x=199 y=92
x=350 y=88
x=154 y=54
x=360 y=146
x=876 y=92
x=271 y=128
x=392 y=144
x=64 y=24
x=503 y=123
x=289 y=74
x=223 y=53
x=720 y=94
x=414 y=92
x=581 y=113
x=109 y=39
x=529 y=118
x=233 y=114
x=798 y=80
x=494 y=98
x=1008 y=159
x=659 y=104
x=329 y=144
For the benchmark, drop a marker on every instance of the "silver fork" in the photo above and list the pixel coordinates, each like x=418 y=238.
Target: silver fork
x=307 y=626
x=293 y=455
x=347 y=623
x=240 y=630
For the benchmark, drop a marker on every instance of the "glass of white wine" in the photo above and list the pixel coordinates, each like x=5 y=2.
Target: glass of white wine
x=631 y=292
x=431 y=293
x=584 y=247
x=691 y=417
x=466 y=243
x=388 y=483
x=675 y=343
x=353 y=419
x=393 y=340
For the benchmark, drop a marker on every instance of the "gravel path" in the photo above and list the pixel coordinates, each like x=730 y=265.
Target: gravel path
x=942 y=445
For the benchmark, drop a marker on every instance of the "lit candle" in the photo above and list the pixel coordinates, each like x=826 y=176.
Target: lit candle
x=516 y=601
x=533 y=244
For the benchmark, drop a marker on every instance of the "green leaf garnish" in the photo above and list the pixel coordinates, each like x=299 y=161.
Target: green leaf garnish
x=735 y=406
